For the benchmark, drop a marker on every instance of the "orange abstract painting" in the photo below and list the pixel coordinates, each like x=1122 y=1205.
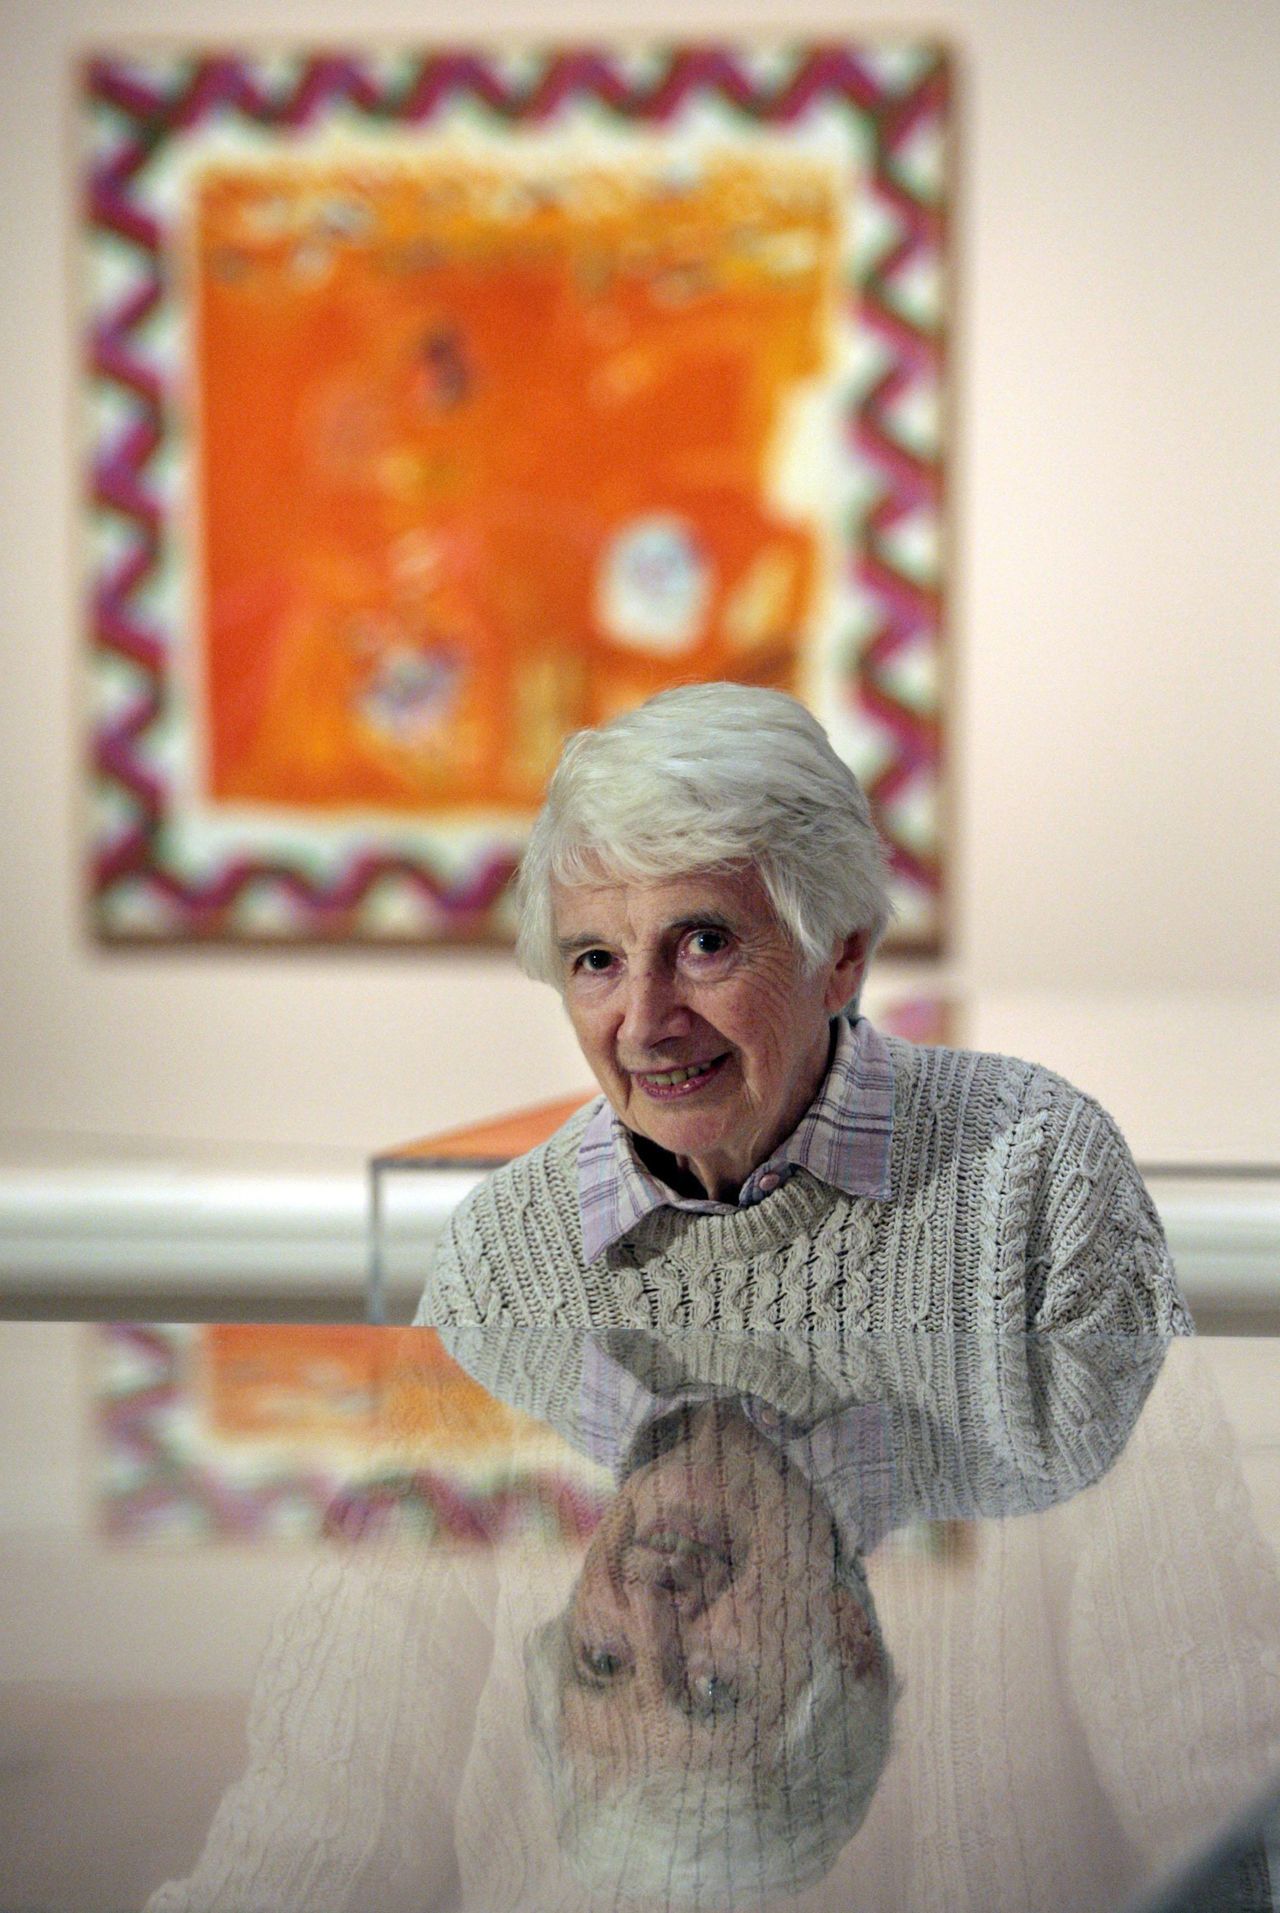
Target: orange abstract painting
x=486 y=456
x=352 y=1387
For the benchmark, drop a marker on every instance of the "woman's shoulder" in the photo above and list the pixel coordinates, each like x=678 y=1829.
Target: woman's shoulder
x=538 y=1187
x=510 y=1239
x=942 y=1074
x=980 y=1096
x=546 y=1168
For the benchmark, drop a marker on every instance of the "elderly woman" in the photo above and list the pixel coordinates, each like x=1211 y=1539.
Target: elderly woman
x=705 y=888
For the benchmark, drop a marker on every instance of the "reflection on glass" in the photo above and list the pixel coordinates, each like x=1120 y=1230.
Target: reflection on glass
x=759 y=1679
x=712 y=1707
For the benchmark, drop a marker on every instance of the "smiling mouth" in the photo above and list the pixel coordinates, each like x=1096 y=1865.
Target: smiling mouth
x=665 y=1084
x=681 y=1561
x=683 y=1537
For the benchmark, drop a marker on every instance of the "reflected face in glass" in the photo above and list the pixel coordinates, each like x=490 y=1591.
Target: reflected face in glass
x=707 y=1599
x=701 y=1023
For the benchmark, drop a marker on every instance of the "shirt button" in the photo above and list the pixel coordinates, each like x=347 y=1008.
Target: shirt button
x=769 y=1183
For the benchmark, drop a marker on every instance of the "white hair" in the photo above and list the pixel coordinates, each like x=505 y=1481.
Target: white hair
x=724 y=1834
x=709 y=777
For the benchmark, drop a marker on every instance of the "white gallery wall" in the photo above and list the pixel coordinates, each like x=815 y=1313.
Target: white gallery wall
x=1115 y=673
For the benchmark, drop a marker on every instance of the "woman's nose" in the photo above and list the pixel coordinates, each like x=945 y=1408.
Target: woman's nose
x=652 y=1622
x=655 y=1011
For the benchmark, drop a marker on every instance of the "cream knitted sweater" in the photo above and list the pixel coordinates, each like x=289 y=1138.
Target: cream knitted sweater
x=1015 y=1204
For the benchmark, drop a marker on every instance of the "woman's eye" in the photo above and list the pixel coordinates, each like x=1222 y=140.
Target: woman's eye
x=600 y=1664
x=594 y=962
x=708 y=943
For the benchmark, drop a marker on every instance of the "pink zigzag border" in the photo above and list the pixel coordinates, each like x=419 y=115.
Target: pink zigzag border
x=120 y=475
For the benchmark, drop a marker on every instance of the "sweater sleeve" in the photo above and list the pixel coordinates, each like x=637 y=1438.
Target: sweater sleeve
x=1097 y=1258
x=513 y=1245
x=458 y=1288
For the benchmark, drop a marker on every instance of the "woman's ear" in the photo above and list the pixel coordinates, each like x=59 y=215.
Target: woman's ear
x=848 y=966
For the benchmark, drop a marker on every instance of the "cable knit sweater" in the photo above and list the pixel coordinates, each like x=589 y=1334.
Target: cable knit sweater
x=1015 y=1204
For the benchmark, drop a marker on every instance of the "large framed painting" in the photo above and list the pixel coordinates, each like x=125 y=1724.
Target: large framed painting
x=439 y=403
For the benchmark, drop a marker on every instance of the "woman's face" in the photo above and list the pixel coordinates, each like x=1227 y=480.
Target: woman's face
x=707 y=1597
x=697 y=1016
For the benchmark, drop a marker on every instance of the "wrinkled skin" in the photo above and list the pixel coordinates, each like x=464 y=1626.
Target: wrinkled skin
x=696 y=973
x=707 y=1594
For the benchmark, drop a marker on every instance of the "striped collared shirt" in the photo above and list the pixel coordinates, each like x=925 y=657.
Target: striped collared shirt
x=843 y=1139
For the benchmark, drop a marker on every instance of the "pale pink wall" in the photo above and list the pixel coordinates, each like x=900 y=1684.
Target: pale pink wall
x=1117 y=578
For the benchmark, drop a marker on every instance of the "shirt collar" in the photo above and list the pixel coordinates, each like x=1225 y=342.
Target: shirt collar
x=843 y=1138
